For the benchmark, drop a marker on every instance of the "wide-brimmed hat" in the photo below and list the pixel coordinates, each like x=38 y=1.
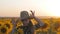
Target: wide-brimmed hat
x=24 y=15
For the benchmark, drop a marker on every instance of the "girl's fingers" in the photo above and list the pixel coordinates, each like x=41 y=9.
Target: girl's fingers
x=32 y=12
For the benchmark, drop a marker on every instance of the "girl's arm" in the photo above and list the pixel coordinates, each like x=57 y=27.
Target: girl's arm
x=40 y=23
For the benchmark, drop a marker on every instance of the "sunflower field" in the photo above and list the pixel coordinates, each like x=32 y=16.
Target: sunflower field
x=10 y=25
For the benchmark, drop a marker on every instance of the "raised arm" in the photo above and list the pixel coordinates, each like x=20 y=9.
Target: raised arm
x=40 y=23
x=36 y=18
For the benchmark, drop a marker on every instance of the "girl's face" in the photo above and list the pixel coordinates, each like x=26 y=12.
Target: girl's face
x=25 y=22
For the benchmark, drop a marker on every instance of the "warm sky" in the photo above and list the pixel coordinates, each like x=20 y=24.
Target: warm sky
x=12 y=8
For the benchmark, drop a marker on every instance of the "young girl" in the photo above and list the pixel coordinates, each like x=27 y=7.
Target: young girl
x=28 y=27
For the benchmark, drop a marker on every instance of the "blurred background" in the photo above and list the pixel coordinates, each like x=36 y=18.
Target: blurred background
x=47 y=11
x=12 y=8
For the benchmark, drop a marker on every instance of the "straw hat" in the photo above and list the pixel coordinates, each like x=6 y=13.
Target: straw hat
x=24 y=15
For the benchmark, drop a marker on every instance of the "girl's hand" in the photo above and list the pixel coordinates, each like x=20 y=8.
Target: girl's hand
x=32 y=14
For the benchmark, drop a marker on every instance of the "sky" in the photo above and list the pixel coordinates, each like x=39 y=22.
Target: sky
x=12 y=8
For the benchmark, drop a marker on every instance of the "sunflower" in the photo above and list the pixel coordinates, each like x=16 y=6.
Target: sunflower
x=56 y=26
x=8 y=25
x=33 y=21
x=46 y=25
x=1 y=26
x=3 y=29
x=19 y=30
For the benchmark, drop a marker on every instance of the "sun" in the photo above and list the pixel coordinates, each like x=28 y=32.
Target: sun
x=49 y=7
x=53 y=7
